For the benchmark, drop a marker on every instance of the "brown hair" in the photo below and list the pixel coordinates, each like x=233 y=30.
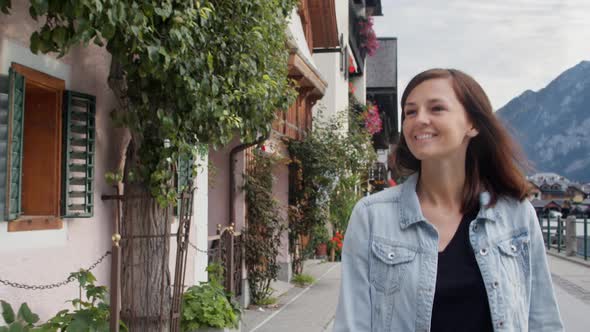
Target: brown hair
x=494 y=162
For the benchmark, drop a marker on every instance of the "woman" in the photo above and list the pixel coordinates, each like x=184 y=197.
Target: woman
x=456 y=247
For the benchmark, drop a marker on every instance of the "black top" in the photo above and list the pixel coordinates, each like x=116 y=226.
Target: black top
x=460 y=299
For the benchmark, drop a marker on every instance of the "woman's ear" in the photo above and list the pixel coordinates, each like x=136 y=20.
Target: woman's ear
x=472 y=132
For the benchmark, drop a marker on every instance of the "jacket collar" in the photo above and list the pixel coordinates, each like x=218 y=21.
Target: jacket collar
x=411 y=213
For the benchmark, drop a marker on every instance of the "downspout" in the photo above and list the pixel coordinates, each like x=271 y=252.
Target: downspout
x=232 y=175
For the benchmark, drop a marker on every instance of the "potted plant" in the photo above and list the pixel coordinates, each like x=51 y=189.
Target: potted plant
x=320 y=239
x=208 y=307
x=335 y=246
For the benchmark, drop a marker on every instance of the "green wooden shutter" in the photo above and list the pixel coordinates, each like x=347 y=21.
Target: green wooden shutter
x=78 y=155
x=14 y=146
x=184 y=178
x=4 y=82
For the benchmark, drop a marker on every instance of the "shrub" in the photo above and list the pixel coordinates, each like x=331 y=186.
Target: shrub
x=208 y=305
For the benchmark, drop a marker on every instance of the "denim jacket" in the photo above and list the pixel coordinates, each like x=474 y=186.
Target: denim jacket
x=390 y=257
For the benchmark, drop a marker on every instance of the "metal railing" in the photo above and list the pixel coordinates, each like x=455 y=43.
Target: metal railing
x=556 y=237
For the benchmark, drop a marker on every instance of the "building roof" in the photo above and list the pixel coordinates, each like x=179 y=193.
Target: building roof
x=541 y=203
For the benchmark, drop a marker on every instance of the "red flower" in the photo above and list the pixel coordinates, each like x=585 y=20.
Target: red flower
x=351 y=67
x=263 y=148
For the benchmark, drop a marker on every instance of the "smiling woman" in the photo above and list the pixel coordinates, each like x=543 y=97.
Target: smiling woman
x=458 y=107
x=457 y=247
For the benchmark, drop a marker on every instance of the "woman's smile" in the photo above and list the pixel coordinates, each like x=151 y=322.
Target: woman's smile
x=425 y=137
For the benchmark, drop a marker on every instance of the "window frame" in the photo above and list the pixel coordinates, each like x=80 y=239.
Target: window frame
x=57 y=86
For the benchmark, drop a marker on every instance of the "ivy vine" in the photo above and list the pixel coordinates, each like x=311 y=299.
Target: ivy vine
x=262 y=236
x=184 y=72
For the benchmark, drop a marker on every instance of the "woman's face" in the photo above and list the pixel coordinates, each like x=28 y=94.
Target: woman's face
x=436 y=125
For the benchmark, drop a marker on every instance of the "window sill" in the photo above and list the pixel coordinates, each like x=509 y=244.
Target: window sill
x=34 y=223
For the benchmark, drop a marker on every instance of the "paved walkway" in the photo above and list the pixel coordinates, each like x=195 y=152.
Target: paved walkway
x=312 y=309
x=307 y=309
x=572 y=288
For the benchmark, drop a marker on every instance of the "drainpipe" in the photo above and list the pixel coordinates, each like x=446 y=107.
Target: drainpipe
x=232 y=175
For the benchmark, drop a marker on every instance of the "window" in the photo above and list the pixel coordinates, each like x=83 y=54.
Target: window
x=47 y=150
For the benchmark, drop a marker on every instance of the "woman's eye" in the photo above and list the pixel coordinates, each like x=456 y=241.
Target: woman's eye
x=410 y=112
x=438 y=108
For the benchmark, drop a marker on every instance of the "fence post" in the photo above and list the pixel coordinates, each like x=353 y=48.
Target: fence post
x=115 y=291
x=230 y=261
x=585 y=237
x=115 y=288
x=571 y=244
x=548 y=232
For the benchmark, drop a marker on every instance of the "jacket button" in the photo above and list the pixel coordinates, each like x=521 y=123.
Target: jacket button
x=483 y=251
x=391 y=255
x=501 y=324
x=495 y=284
x=513 y=248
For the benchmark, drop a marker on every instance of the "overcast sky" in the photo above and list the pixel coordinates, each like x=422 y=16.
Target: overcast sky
x=508 y=46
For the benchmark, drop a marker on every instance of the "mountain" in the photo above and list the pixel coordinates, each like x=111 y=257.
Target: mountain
x=553 y=124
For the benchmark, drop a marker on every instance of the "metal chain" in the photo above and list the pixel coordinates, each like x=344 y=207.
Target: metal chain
x=197 y=249
x=55 y=285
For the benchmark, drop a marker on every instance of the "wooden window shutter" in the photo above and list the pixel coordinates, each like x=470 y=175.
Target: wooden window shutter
x=4 y=82
x=11 y=130
x=79 y=133
x=184 y=178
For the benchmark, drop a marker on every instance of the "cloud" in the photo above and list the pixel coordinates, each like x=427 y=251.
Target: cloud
x=508 y=46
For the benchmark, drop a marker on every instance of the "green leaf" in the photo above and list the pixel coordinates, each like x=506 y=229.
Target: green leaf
x=34 y=42
x=108 y=31
x=153 y=53
x=210 y=61
x=25 y=314
x=59 y=35
x=7 y=312
x=164 y=11
x=98 y=4
x=17 y=327
x=40 y=6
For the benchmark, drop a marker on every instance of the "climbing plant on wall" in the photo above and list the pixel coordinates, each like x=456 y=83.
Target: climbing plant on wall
x=262 y=236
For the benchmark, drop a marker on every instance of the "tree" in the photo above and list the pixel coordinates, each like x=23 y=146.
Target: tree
x=184 y=72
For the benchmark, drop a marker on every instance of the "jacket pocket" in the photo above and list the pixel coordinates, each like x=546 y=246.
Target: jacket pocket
x=515 y=277
x=389 y=263
x=515 y=254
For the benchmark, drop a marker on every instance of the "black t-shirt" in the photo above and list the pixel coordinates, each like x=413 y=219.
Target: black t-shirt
x=460 y=299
